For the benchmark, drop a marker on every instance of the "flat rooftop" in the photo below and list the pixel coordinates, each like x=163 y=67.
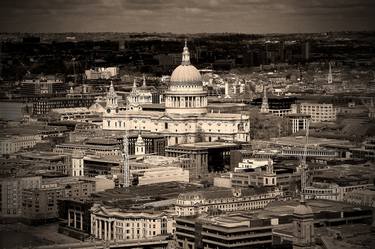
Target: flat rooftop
x=42 y=155
x=300 y=141
x=204 y=145
x=285 y=208
x=136 y=195
x=346 y=236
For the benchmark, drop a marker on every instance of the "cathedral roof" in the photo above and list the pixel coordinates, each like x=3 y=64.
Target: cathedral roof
x=186 y=73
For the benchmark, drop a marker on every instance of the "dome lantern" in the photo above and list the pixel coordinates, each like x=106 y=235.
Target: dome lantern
x=185 y=55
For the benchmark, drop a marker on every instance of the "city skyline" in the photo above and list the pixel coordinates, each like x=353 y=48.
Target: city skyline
x=214 y=16
x=198 y=124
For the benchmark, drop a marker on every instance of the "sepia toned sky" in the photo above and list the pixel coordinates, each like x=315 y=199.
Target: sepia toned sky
x=186 y=16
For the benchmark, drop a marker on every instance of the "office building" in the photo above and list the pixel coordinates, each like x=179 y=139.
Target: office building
x=319 y=112
x=11 y=194
x=223 y=231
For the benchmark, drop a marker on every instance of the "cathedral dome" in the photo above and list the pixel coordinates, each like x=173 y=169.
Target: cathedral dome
x=186 y=73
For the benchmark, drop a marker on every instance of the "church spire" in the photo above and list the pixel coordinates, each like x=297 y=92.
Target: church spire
x=111 y=99
x=186 y=55
x=135 y=83
x=111 y=88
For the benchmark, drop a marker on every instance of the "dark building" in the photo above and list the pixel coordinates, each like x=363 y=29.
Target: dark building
x=75 y=216
x=154 y=143
x=99 y=166
x=44 y=105
x=237 y=156
x=276 y=102
x=206 y=156
x=39 y=85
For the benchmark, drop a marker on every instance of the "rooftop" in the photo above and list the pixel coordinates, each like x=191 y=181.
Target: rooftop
x=285 y=208
x=144 y=193
x=204 y=145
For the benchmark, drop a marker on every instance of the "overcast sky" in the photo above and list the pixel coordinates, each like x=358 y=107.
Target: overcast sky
x=186 y=16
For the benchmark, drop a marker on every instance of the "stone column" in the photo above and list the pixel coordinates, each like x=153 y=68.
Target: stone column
x=75 y=219
x=68 y=218
x=100 y=229
x=96 y=231
x=105 y=230
x=81 y=219
x=109 y=230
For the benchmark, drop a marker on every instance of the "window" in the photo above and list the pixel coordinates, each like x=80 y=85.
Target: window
x=166 y=125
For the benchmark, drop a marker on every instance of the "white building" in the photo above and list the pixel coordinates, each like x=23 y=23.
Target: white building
x=114 y=224
x=251 y=163
x=298 y=122
x=319 y=112
x=332 y=192
x=185 y=119
x=77 y=164
x=78 y=114
x=101 y=73
x=227 y=200
x=12 y=144
x=256 y=178
x=161 y=174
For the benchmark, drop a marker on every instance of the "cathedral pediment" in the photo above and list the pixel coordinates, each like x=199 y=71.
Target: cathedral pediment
x=165 y=117
x=100 y=211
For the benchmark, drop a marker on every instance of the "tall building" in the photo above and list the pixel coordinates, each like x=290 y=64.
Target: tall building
x=186 y=119
x=319 y=112
x=11 y=194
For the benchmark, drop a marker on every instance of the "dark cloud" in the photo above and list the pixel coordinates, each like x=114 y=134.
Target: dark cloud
x=186 y=16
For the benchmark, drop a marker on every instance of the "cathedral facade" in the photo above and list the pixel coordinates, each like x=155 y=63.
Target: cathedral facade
x=186 y=119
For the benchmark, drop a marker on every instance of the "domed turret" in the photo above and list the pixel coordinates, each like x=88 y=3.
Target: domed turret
x=112 y=97
x=303 y=222
x=303 y=209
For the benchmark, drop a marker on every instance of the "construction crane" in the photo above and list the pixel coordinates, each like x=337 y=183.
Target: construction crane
x=303 y=166
x=125 y=156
